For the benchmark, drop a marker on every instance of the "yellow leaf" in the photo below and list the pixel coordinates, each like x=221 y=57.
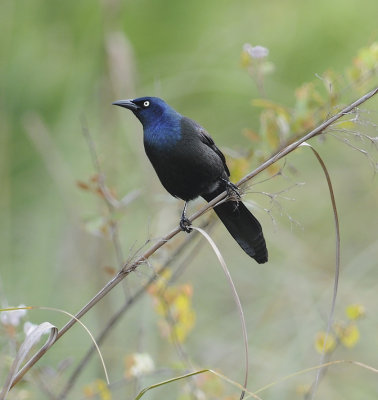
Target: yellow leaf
x=321 y=345
x=179 y=333
x=182 y=303
x=174 y=304
x=182 y=329
x=355 y=311
x=161 y=308
x=238 y=168
x=270 y=128
x=365 y=63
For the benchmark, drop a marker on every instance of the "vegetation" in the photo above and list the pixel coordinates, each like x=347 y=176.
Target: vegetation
x=79 y=199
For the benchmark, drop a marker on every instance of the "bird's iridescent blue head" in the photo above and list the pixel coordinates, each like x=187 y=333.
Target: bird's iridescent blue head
x=149 y=110
x=161 y=123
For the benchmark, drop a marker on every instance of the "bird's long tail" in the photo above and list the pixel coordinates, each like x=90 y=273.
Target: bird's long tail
x=242 y=225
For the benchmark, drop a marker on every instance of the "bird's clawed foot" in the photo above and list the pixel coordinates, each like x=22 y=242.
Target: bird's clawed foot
x=185 y=224
x=233 y=192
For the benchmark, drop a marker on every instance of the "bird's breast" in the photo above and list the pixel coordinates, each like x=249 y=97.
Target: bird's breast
x=183 y=169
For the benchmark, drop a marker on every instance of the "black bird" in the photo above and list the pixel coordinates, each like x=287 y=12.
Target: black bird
x=189 y=164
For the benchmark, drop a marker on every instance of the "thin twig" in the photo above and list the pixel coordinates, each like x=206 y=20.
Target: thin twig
x=44 y=387
x=108 y=198
x=320 y=372
x=128 y=268
x=237 y=301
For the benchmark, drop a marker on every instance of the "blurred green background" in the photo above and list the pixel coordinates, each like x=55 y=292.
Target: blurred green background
x=65 y=62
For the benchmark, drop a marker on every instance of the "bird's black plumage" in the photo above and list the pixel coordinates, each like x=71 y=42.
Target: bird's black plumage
x=189 y=165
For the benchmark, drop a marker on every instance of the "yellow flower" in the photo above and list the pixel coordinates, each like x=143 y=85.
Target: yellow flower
x=321 y=345
x=348 y=335
x=100 y=388
x=355 y=311
x=174 y=304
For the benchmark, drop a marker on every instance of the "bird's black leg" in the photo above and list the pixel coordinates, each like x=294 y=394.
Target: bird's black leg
x=184 y=222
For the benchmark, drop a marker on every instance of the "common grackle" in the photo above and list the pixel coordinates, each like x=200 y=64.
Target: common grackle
x=189 y=164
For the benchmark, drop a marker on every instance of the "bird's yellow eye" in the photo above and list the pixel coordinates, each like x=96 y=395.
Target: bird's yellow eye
x=146 y=103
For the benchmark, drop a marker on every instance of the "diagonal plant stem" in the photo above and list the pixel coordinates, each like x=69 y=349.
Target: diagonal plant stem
x=132 y=266
x=128 y=303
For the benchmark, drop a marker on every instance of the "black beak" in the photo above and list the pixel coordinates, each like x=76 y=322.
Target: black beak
x=127 y=104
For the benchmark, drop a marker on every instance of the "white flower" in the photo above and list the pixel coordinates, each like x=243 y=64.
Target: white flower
x=256 y=51
x=12 y=317
x=143 y=363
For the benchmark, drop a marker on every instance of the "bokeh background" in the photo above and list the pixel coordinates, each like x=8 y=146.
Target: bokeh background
x=63 y=63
